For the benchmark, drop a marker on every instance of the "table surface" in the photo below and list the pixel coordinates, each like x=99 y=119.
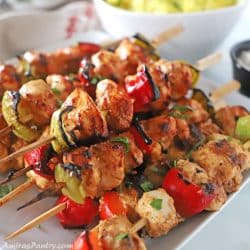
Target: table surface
x=230 y=229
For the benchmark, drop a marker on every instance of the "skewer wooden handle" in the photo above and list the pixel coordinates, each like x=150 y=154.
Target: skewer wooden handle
x=5 y=131
x=27 y=149
x=224 y=90
x=16 y=192
x=38 y=220
x=138 y=225
x=167 y=35
x=208 y=61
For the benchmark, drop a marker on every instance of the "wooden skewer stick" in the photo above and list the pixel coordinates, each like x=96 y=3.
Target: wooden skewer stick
x=14 y=175
x=52 y=212
x=5 y=131
x=216 y=95
x=50 y=192
x=16 y=192
x=167 y=35
x=208 y=61
x=224 y=90
x=157 y=41
x=27 y=149
x=138 y=225
x=38 y=220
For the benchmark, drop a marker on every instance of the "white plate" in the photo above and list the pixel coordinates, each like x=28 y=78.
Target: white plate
x=51 y=235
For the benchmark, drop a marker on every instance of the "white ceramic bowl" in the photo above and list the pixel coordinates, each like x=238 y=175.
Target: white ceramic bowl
x=204 y=31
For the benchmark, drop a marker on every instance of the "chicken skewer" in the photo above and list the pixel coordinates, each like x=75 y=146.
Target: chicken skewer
x=41 y=142
x=144 y=203
x=25 y=184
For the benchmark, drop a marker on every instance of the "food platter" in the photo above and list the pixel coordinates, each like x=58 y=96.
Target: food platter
x=41 y=237
x=176 y=239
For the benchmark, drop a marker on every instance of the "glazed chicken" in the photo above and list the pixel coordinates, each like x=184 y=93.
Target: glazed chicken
x=9 y=78
x=161 y=129
x=65 y=61
x=109 y=230
x=36 y=95
x=108 y=65
x=61 y=86
x=115 y=103
x=179 y=76
x=102 y=166
x=227 y=117
x=222 y=162
x=82 y=119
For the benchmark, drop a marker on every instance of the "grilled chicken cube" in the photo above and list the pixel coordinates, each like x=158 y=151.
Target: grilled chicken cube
x=192 y=172
x=130 y=197
x=9 y=78
x=180 y=77
x=38 y=101
x=114 y=234
x=243 y=153
x=116 y=104
x=103 y=166
x=161 y=129
x=222 y=163
x=161 y=219
x=226 y=118
x=134 y=156
x=108 y=65
x=60 y=86
x=84 y=120
x=110 y=159
x=208 y=128
x=194 y=112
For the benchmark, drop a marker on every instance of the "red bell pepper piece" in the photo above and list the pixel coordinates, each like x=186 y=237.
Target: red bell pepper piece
x=38 y=158
x=88 y=48
x=189 y=198
x=87 y=240
x=142 y=142
x=76 y=215
x=85 y=74
x=110 y=205
x=142 y=89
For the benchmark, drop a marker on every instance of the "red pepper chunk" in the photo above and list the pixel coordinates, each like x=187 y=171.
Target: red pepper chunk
x=38 y=158
x=189 y=198
x=87 y=240
x=142 y=89
x=85 y=74
x=77 y=215
x=140 y=140
x=110 y=205
x=89 y=48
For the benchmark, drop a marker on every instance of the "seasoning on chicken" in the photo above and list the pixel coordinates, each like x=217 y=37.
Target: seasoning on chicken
x=114 y=234
x=179 y=76
x=161 y=129
x=115 y=103
x=222 y=163
x=20 y=109
x=9 y=78
x=60 y=85
x=108 y=65
x=197 y=175
x=157 y=207
x=37 y=65
x=78 y=121
x=226 y=118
